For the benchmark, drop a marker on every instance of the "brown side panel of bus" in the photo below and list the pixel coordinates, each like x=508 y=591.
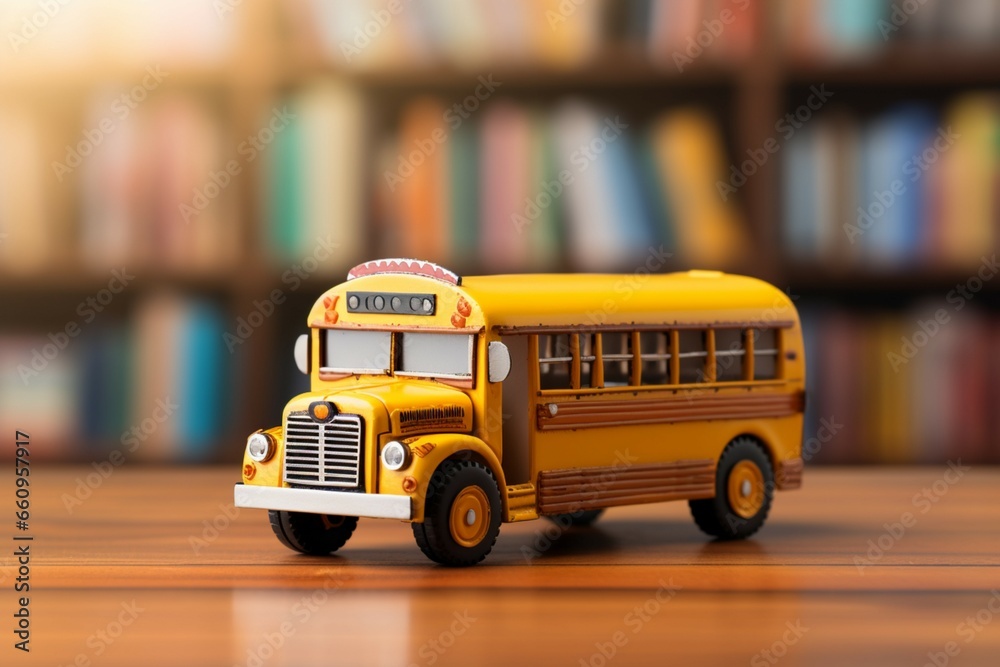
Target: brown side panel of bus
x=566 y=491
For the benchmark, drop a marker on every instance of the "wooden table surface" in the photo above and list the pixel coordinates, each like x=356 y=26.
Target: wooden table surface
x=150 y=569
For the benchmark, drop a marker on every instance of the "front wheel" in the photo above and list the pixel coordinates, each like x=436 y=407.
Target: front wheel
x=461 y=515
x=744 y=485
x=315 y=534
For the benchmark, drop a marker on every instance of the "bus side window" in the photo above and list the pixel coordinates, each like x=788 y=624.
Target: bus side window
x=554 y=361
x=693 y=356
x=588 y=351
x=765 y=354
x=616 y=351
x=654 y=346
x=729 y=355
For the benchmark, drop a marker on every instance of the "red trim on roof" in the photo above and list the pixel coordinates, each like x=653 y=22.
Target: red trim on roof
x=414 y=267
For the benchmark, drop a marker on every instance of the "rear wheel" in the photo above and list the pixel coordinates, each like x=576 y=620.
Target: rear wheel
x=744 y=486
x=461 y=515
x=581 y=518
x=316 y=534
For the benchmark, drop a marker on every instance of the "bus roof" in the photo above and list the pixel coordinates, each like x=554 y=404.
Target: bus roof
x=533 y=300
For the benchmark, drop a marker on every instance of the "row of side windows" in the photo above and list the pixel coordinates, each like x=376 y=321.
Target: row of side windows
x=670 y=357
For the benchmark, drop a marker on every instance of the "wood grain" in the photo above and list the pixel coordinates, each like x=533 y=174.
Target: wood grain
x=643 y=582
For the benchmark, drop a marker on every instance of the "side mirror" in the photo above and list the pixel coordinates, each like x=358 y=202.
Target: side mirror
x=302 y=353
x=498 y=360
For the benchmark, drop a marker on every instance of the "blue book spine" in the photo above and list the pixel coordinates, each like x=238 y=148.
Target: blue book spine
x=202 y=381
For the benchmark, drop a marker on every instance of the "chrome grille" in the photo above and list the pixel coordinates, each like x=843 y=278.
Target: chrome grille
x=323 y=454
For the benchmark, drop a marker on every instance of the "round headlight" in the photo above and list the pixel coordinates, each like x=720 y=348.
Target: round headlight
x=395 y=455
x=260 y=447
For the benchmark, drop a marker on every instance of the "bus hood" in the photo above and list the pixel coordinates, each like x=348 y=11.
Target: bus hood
x=412 y=406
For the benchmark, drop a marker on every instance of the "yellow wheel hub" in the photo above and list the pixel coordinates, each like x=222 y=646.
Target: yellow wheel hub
x=470 y=516
x=746 y=489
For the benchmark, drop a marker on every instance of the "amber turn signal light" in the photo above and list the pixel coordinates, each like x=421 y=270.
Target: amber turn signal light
x=322 y=411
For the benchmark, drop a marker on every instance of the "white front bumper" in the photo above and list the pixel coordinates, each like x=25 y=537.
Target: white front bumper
x=317 y=501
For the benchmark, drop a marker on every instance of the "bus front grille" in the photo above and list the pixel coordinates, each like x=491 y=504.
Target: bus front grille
x=323 y=454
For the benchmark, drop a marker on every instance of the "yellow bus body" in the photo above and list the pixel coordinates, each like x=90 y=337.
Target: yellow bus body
x=587 y=443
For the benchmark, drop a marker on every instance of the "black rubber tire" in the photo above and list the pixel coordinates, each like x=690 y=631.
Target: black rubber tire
x=433 y=535
x=578 y=519
x=314 y=534
x=714 y=516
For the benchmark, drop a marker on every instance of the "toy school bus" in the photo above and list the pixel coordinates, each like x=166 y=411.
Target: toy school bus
x=457 y=404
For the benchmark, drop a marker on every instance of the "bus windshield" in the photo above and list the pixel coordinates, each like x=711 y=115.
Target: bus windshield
x=418 y=354
x=434 y=354
x=356 y=351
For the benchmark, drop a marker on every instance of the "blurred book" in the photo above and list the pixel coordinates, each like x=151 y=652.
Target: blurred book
x=470 y=34
x=314 y=177
x=181 y=362
x=905 y=188
x=29 y=236
x=692 y=161
x=156 y=387
x=678 y=33
x=508 y=181
x=106 y=383
x=970 y=200
x=38 y=394
x=156 y=191
x=899 y=394
x=422 y=199
x=858 y=29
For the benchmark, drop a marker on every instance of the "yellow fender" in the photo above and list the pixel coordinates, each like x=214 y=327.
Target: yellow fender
x=269 y=472
x=427 y=452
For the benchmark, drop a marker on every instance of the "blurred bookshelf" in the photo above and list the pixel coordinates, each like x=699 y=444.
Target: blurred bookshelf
x=442 y=130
